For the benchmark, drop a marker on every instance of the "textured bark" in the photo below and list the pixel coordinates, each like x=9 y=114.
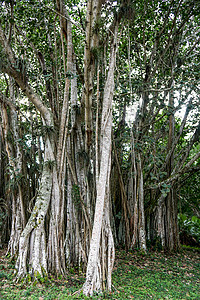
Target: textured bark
x=142 y=232
x=167 y=224
x=34 y=251
x=17 y=225
x=92 y=43
x=96 y=270
x=32 y=244
x=4 y=228
x=78 y=219
x=125 y=207
x=107 y=254
x=94 y=279
x=171 y=226
x=55 y=253
x=139 y=231
x=161 y=215
x=66 y=30
x=14 y=153
x=78 y=223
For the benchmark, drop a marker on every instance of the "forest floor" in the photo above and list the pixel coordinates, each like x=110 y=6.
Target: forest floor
x=155 y=275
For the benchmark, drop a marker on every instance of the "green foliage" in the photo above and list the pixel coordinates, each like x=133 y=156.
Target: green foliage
x=49 y=164
x=189 y=195
x=42 y=278
x=165 y=189
x=189 y=228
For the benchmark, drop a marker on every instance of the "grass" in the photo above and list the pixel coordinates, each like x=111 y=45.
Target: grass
x=135 y=276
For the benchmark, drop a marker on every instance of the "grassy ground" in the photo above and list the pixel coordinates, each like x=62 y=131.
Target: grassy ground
x=135 y=276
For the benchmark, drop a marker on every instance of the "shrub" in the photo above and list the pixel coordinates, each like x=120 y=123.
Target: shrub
x=189 y=230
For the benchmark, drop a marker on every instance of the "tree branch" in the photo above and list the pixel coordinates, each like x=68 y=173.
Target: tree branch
x=19 y=78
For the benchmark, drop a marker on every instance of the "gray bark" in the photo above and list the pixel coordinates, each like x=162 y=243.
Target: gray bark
x=34 y=229
x=95 y=270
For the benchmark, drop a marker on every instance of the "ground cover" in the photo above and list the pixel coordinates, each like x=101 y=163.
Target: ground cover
x=156 y=275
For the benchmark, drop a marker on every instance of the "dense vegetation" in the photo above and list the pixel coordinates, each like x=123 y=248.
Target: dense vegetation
x=99 y=136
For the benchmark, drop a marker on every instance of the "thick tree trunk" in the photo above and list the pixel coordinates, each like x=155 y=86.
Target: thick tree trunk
x=95 y=270
x=16 y=195
x=78 y=219
x=94 y=275
x=32 y=245
x=92 y=43
x=107 y=254
x=56 y=257
x=14 y=152
x=16 y=227
x=78 y=223
x=161 y=215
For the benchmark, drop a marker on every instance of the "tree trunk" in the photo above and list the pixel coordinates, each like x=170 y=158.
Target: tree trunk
x=167 y=205
x=92 y=43
x=139 y=231
x=142 y=231
x=56 y=257
x=32 y=245
x=78 y=219
x=94 y=274
x=14 y=152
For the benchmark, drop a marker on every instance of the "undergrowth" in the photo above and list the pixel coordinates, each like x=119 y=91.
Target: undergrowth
x=155 y=275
